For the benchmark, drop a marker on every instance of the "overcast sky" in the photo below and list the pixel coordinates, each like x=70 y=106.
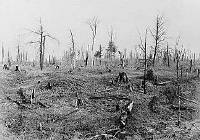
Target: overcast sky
x=126 y=17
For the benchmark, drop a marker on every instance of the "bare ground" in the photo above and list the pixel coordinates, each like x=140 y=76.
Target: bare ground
x=60 y=119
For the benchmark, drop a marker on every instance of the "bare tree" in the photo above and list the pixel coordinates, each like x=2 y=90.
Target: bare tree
x=73 y=53
x=178 y=86
x=93 y=24
x=159 y=35
x=178 y=54
x=42 y=34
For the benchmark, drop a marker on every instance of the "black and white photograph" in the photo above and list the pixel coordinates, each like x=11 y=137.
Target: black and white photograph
x=99 y=70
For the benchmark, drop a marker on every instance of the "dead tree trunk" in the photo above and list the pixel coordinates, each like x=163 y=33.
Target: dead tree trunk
x=158 y=35
x=191 y=65
x=178 y=90
x=41 y=48
x=73 y=54
x=156 y=42
x=86 y=59
x=9 y=61
x=2 y=52
x=168 y=55
x=143 y=47
x=26 y=57
x=145 y=61
x=42 y=34
x=18 y=53
x=100 y=50
x=93 y=24
x=49 y=59
x=194 y=61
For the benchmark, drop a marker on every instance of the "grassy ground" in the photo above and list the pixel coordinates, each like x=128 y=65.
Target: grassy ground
x=61 y=119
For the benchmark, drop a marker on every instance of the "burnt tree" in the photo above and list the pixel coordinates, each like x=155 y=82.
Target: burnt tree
x=159 y=35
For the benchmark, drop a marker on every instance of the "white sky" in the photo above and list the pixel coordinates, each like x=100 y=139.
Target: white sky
x=125 y=16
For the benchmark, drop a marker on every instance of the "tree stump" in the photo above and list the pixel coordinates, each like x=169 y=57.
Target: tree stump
x=117 y=107
x=49 y=86
x=22 y=96
x=153 y=103
x=17 y=68
x=79 y=103
x=122 y=120
x=121 y=78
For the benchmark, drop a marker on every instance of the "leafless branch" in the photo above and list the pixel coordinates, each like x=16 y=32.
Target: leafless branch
x=32 y=31
x=33 y=42
x=93 y=23
x=48 y=35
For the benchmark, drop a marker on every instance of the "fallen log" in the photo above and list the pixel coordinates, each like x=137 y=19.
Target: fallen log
x=20 y=105
x=163 y=83
x=182 y=108
x=41 y=105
